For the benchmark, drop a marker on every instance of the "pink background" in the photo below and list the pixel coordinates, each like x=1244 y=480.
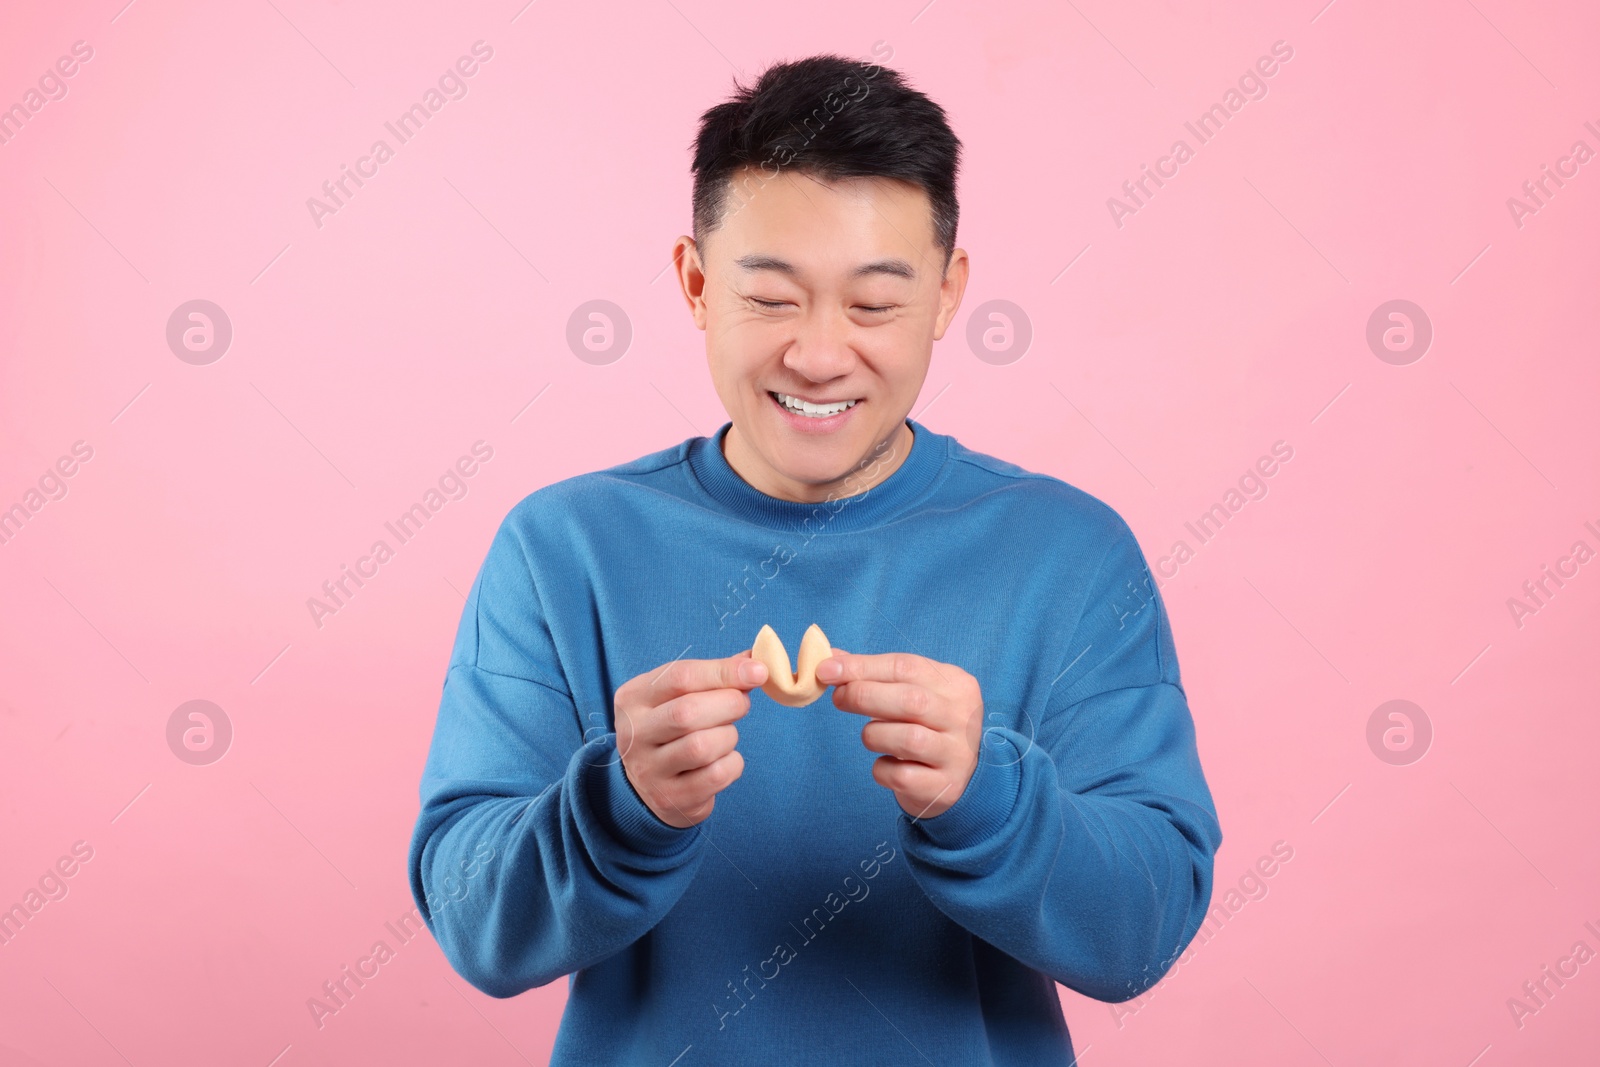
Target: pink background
x=1227 y=314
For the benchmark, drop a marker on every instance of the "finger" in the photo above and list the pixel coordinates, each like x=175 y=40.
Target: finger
x=699 y=749
x=694 y=711
x=836 y=653
x=907 y=742
x=899 y=701
x=844 y=667
x=698 y=675
x=699 y=786
x=924 y=791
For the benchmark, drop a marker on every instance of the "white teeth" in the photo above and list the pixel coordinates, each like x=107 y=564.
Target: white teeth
x=814 y=411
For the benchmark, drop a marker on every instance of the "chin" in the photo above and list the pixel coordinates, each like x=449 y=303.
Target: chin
x=822 y=462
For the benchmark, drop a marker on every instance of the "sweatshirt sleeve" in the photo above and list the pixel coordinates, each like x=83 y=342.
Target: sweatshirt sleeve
x=1082 y=846
x=532 y=856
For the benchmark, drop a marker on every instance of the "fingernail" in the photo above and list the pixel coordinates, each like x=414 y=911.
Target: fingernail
x=829 y=669
x=753 y=672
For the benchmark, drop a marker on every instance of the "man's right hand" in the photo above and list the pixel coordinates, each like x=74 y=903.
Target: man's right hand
x=676 y=734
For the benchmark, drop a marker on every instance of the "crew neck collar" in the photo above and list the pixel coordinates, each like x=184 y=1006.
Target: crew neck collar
x=877 y=505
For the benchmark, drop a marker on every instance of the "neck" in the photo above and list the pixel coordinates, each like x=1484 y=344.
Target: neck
x=880 y=462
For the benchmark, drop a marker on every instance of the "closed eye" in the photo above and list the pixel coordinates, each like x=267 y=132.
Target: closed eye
x=775 y=304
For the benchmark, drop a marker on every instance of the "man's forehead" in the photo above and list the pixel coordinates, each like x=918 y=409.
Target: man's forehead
x=789 y=195
x=787 y=226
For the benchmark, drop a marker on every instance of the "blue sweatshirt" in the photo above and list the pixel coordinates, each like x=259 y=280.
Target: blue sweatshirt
x=808 y=919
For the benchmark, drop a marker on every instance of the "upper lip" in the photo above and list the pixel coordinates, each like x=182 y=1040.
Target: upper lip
x=809 y=400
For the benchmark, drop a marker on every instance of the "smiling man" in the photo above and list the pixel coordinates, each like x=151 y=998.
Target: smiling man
x=1002 y=791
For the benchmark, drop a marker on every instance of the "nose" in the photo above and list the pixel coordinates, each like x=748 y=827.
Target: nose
x=821 y=350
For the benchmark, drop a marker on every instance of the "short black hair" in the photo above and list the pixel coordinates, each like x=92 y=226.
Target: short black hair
x=828 y=117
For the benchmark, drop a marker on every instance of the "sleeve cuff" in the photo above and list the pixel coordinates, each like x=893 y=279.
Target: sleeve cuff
x=986 y=803
x=628 y=818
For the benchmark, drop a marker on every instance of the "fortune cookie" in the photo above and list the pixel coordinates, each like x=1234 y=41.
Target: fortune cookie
x=800 y=688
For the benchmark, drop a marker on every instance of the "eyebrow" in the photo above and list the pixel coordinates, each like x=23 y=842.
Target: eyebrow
x=898 y=268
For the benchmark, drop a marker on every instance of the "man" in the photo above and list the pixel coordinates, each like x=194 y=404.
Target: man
x=1003 y=791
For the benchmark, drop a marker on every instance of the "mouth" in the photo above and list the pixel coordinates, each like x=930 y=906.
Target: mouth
x=811 y=411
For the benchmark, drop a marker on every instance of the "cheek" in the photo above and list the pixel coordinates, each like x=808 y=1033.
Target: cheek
x=914 y=325
x=898 y=353
x=737 y=353
x=744 y=344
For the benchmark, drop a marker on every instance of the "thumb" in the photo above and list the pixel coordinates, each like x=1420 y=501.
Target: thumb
x=838 y=665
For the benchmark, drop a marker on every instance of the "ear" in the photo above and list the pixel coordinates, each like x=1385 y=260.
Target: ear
x=691 y=277
x=951 y=287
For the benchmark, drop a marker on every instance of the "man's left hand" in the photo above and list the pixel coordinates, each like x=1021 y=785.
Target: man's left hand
x=927 y=721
